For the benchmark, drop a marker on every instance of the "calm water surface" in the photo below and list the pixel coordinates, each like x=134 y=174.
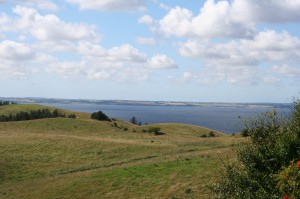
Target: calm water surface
x=224 y=119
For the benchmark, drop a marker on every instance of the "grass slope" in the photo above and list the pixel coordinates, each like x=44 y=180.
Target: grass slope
x=83 y=158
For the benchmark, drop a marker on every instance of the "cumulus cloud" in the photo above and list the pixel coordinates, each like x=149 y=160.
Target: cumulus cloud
x=120 y=63
x=266 y=45
x=245 y=54
x=225 y=19
x=13 y=71
x=28 y=21
x=49 y=41
x=10 y=50
x=161 y=62
x=214 y=20
x=50 y=27
x=110 y=5
x=267 y=11
x=239 y=60
x=16 y=60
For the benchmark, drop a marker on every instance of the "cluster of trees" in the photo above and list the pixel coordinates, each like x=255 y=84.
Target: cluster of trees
x=133 y=120
x=268 y=163
x=34 y=114
x=2 y=103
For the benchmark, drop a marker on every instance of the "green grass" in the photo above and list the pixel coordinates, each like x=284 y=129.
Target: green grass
x=83 y=158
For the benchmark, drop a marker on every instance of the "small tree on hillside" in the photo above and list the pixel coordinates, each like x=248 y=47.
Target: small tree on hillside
x=133 y=120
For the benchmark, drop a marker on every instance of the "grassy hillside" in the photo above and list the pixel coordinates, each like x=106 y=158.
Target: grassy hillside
x=83 y=158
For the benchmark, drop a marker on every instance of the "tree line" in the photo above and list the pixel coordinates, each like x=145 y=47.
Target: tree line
x=133 y=120
x=33 y=115
x=2 y=103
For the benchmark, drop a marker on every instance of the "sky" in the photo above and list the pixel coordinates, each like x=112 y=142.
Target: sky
x=168 y=50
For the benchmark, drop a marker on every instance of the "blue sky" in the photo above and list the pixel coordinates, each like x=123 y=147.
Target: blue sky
x=205 y=51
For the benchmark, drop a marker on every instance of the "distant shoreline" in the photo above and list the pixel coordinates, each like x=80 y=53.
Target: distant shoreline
x=37 y=100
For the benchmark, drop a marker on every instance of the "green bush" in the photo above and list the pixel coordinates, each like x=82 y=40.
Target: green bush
x=272 y=143
x=73 y=116
x=100 y=116
x=211 y=134
x=155 y=130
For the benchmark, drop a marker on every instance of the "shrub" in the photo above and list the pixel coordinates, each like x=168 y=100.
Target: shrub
x=73 y=116
x=211 y=134
x=272 y=144
x=154 y=130
x=100 y=116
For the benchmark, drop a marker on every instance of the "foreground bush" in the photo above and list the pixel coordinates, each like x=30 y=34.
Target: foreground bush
x=273 y=143
x=289 y=181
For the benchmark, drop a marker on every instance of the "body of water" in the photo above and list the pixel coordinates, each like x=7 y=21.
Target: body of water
x=224 y=119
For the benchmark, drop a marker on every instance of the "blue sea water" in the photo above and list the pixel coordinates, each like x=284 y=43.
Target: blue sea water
x=223 y=119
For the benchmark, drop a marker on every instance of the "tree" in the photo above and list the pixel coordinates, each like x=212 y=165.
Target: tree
x=133 y=120
x=274 y=142
x=100 y=116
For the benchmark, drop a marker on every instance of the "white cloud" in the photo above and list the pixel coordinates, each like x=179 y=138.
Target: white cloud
x=16 y=60
x=161 y=62
x=120 y=63
x=110 y=5
x=50 y=27
x=53 y=41
x=214 y=20
x=145 y=41
x=10 y=50
x=146 y=19
x=266 y=11
x=239 y=61
x=225 y=19
x=44 y=4
x=126 y=53
x=265 y=46
x=286 y=70
x=13 y=71
x=45 y=28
